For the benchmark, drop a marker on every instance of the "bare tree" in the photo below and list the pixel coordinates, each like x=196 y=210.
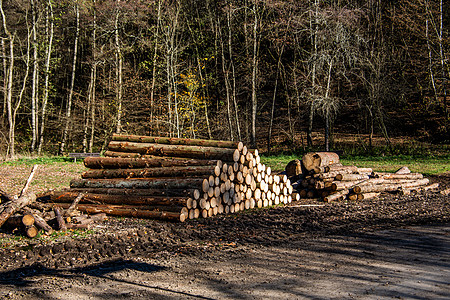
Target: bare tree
x=34 y=80
x=119 y=69
x=48 y=53
x=256 y=42
x=72 y=82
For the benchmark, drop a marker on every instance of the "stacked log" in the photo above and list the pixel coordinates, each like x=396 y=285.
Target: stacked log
x=174 y=179
x=324 y=177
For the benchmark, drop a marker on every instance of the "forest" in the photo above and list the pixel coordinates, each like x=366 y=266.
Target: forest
x=266 y=72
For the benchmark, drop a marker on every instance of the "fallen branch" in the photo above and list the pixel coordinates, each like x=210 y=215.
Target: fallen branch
x=9 y=208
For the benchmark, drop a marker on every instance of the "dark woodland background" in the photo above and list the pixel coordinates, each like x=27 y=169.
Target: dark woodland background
x=274 y=74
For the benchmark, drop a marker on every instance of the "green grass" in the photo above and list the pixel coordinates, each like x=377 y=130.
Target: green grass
x=425 y=164
x=42 y=160
x=24 y=243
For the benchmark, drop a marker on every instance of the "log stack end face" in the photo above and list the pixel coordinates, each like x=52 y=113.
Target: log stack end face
x=220 y=177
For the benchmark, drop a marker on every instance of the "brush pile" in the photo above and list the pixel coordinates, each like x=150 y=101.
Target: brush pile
x=22 y=214
x=320 y=175
x=173 y=179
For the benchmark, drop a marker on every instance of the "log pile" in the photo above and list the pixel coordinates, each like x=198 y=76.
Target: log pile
x=22 y=214
x=322 y=176
x=174 y=179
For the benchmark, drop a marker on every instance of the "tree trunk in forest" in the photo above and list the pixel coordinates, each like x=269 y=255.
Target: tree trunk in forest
x=9 y=84
x=72 y=83
x=35 y=82
x=226 y=75
x=5 y=78
x=155 y=56
x=119 y=70
x=254 y=77
x=233 y=76
x=9 y=100
x=90 y=110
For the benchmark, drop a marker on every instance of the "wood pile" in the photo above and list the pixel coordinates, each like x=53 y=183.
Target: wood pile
x=320 y=175
x=22 y=214
x=174 y=179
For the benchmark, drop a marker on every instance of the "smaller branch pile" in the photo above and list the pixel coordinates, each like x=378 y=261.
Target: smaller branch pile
x=320 y=175
x=174 y=179
x=22 y=214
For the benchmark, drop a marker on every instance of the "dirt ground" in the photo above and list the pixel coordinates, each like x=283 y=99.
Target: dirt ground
x=391 y=247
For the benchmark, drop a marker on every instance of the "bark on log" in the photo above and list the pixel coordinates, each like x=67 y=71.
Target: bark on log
x=139 y=163
x=393 y=187
x=367 y=196
x=336 y=196
x=407 y=191
x=9 y=208
x=68 y=197
x=189 y=171
x=85 y=219
x=294 y=168
x=178 y=141
x=131 y=211
x=351 y=177
x=364 y=170
x=59 y=218
x=319 y=159
x=148 y=183
x=398 y=176
x=117 y=154
x=333 y=173
x=193 y=193
x=19 y=221
x=198 y=152
x=79 y=226
x=72 y=210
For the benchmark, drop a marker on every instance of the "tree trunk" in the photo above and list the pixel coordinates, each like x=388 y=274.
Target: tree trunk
x=189 y=171
x=154 y=63
x=149 y=183
x=59 y=218
x=199 y=152
x=119 y=71
x=10 y=208
x=254 y=77
x=47 y=75
x=129 y=211
x=178 y=141
x=149 y=192
x=226 y=75
x=123 y=163
x=72 y=83
x=97 y=198
x=35 y=82
x=39 y=221
x=319 y=159
x=388 y=187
